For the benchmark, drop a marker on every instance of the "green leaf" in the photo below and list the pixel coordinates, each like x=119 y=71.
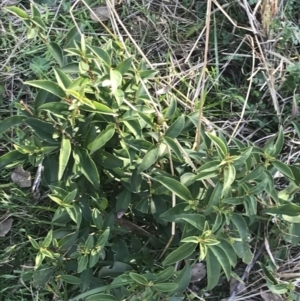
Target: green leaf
x=255 y=173
x=64 y=155
x=97 y=218
x=173 y=146
x=297 y=128
x=43 y=130
x=101 y=54
x=32 y=33
x=102 y=138
x=241 y=159
x=34 y=243
x=209 y=166
x=47 y=85
x=229 y=177
x=89 y=243
x=223 y=260
x=283 y=168
x=38 y=22
x=149 y=159
x=165 y=287
x=183 y=278
x=165 y=274
x=123 y=200
x=229 y=250
x=176 y=128
x=48 y=239
x=83 y=100
x=215 y=198
x=86 y=165
x=138 y=278
x=175 y=187
x=115 y=79
x=17 y=11
x=183 y=252
x=103 y=238
x=75 y=214
x=219 y=144
x=124 y=66
x=288 y=209
x=62 y=79
x=241 y=226
x=102 y=297
x=11 y=157
x=70 y=279
x=147 y=74
x=99 y=108
x=279 y=143
x=171 y=109
x=259 y=187
x=10 y=122
x=213 y=270
x=82 y=263
x=57 y=53
x=94 y=257
x=134 y=127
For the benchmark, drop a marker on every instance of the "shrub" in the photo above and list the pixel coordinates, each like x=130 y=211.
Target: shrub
x=136 y=205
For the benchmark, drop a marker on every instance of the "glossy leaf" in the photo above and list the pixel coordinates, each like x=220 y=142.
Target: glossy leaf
x=171 y=109
x=70 y=279
x=10 y=122
x=279 y=142
x=288 y=209
x=226 y=246
x=64 y=155
x=149 y=159
x=175 y=187
x=213 y=268
x=165 y=274
x=115 y=79
x=183 y=278
x=182 y=252
x=283 y=168
x=102 y=297
x=82 y=263
x=165 y=287
x=48 y=86
x=17 y=11
x=102 y=138
x=57 y=53
x=124 y=66
x=255 y=173
x=229 y=177
x=219 y=144
x=86 y=165
x=138 y=278
x=215 y=198
x=101 y=54
x=176 y=127
x=241 y=226
x=62 y=79
x=103 y=238
x=223 y=259
x=173 y=146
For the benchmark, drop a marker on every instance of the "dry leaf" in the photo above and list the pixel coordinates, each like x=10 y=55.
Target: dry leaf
x=102 y=12
x=198 y=272
x=5 y=226
x=21 y=177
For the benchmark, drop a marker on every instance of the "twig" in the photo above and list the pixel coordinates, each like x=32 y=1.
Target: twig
x=247 y=272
